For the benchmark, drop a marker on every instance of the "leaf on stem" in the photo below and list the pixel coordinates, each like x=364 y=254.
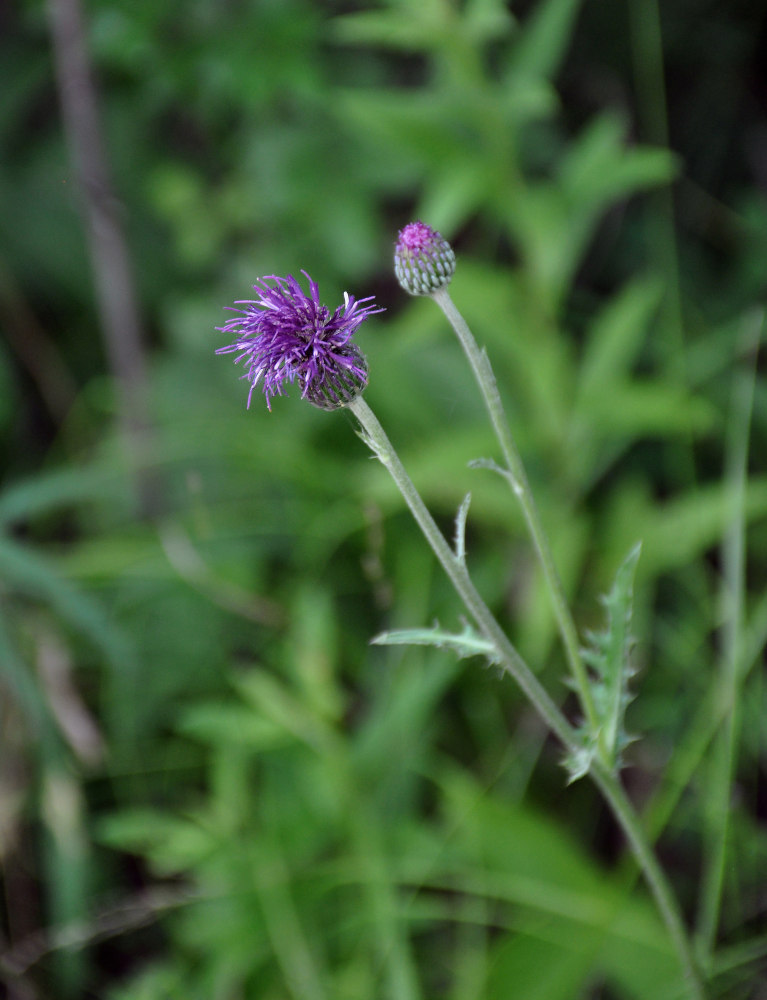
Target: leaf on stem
x=609 y=657
x=488 y=463
x=467 y=643
x=460 y=529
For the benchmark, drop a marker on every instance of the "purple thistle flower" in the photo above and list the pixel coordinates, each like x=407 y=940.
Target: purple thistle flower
x=423 y=259
x=285 y=334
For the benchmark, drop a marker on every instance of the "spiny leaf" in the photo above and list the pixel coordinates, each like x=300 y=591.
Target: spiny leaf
x=460 y=528
x=609 y=658
x=467 y=643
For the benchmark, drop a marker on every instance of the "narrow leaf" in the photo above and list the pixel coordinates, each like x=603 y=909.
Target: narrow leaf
x=468 y=643
x=460 y=528
x=488 y=463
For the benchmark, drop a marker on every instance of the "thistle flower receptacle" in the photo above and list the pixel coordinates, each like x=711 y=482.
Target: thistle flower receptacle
x=285 y=335
x=423 y=259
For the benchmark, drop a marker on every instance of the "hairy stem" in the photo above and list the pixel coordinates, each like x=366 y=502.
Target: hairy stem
x=483 y=373
x=511 y=661
x=455 y=568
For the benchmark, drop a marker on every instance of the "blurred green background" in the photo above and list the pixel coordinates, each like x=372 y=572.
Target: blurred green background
x=211 y=785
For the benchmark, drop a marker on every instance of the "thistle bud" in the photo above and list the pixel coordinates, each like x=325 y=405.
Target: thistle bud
x=423 y=260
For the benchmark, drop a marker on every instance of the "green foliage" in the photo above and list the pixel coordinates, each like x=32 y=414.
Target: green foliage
x=609 y=657
x=309 y=874
x=191 y=702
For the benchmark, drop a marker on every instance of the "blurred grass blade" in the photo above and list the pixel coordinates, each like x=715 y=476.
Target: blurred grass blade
x=541 y=46
x=53 y=490
x=22 y=683
x=25 y=571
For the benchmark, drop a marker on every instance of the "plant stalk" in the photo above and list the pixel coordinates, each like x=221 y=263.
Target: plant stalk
x=511 y=661
x=483 y=373
x=375 y=437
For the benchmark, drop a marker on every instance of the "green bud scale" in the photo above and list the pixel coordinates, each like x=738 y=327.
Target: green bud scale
x=423 y=260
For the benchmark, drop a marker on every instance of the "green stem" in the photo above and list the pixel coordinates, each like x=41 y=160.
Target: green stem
x=626 y=817
x=483 y=373
x=733 y=586
x=508 y=657
x=512 y=662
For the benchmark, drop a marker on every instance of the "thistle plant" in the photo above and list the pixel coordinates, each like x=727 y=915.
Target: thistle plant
x=286 y=336
x=420 y=255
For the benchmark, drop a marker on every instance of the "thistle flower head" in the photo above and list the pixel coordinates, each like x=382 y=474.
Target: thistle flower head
x=284 y=335
x=423 y=260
